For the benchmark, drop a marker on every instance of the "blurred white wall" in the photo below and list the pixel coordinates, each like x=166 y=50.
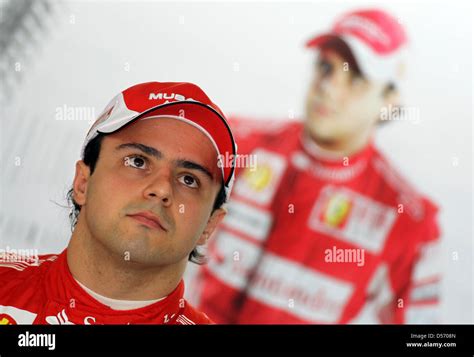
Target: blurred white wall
x=250 y=59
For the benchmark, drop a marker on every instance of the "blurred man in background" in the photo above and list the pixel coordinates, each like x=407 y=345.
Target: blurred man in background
x=325 y=230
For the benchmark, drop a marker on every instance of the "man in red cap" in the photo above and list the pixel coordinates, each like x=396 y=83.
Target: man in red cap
x=148 y=191
x=325 y=230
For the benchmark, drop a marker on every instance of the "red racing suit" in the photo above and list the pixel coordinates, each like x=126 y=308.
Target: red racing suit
x=43 y=291
x=309 y=239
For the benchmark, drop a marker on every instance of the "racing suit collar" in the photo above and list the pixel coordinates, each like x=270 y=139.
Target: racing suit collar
x=332 y=157
x=69 y=303
x=328 y=166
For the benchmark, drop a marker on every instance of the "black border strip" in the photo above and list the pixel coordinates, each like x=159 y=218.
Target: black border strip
x=222 y=339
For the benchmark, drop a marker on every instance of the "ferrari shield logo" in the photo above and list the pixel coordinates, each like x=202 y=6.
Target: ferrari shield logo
x=352 y=217
x=336 y=211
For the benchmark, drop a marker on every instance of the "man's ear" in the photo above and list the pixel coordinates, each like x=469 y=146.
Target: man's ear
x=79 y=185
x=216 y=217
x=391 y=102
x=391 y=96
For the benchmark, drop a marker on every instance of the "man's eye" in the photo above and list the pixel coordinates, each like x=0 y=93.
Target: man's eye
x=325 y=68
x=135 y=161
x=189 y=181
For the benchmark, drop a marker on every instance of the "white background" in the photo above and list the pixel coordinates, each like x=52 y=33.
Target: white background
x=249 y=57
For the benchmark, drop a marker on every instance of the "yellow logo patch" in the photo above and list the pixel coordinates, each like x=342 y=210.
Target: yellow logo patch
x=337 y=210
x=259 y=178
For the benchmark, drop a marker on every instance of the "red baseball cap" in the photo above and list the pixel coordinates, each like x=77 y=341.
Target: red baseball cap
x=178 y=100
x=377 y=40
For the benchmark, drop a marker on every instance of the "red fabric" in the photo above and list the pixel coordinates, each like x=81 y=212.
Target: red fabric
x=46 y=293
x=317 y=207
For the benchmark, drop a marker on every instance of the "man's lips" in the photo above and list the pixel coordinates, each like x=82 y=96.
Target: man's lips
x=149 y=219
x=321 y=109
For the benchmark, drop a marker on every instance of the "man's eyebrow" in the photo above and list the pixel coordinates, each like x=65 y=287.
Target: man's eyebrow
x=144 y=148
x=186 y=164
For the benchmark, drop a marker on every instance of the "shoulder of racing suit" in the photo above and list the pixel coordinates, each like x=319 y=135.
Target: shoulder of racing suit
x=407 y=198
x=21 y=282
x=250 y=132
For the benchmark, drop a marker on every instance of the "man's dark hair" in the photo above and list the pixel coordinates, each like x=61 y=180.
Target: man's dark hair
x=91 y=156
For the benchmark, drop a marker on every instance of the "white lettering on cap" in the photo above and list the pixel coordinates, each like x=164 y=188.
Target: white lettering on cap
x=172 y=96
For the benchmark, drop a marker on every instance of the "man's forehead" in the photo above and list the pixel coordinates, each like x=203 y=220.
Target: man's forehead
x=168 y=131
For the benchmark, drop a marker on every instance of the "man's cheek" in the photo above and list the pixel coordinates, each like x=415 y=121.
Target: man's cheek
x=109 y=186
x=186 y=214
x=103 y=196
x=192 y=216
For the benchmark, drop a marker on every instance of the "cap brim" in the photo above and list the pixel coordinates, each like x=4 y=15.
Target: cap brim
x=320 y=40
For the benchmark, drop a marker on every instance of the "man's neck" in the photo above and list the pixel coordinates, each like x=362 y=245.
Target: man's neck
x=112 y=276
x=118 y=304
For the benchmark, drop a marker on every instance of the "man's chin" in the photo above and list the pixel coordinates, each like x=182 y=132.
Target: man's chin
x=135 y=247
x=140 y=255
x=322 y=131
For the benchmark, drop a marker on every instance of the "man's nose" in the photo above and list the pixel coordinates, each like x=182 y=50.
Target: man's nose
x=326 y=86
x=160 y=187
